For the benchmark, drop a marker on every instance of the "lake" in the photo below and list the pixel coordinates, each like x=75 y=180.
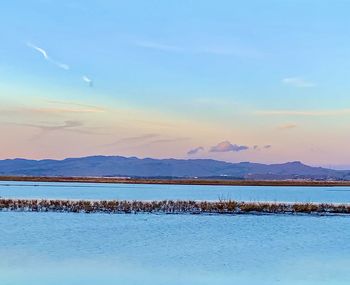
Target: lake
x=151 y=249
x=74 y=249
x=96 y=191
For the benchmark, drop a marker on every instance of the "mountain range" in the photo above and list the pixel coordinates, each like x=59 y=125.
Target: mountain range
x=118 y=166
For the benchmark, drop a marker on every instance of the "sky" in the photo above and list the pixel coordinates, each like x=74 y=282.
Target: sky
x=261 y=81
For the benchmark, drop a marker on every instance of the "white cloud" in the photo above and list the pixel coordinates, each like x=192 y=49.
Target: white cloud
x=298 y=82
x=42 y=51
x=61 y=65
x=226 y=146
x=46 y=56
x=87 y=80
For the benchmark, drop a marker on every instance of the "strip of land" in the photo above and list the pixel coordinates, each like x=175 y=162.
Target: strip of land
x=172 y=207
x=177 y=181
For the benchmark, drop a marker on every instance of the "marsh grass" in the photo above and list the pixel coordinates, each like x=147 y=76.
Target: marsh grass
x=171 y=207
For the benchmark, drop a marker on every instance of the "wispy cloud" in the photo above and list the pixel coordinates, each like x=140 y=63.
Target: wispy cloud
x=66 y=110
x=195 y=150
x=44 y=53
x=138 y=138
x=259 y=148
x=233 y=50
x=88 y=80
x=67 y=126
x=236 y=51
x=287 y=126
x=131 y=140
x=316 y=113
x=298 y=82
x=170 y=140
x=61 y=65
x=79 y=106
x=226 y=146
x=53 y=107
x=159 y=46
x=48 y=111
x=40 y=50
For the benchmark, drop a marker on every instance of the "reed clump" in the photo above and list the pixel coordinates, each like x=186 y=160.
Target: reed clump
x=170 y=207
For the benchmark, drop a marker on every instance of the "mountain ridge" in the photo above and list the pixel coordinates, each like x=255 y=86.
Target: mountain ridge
x=120 y=166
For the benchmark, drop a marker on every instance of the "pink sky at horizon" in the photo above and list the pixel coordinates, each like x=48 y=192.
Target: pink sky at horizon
x=59 y=129
x=259 y=81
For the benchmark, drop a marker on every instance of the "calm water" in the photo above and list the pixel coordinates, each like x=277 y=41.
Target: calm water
x=149 y=249
x=161 y=192
x=75 y=249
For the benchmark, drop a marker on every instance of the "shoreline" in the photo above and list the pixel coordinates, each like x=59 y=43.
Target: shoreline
x=227 y=207
x=177 y=181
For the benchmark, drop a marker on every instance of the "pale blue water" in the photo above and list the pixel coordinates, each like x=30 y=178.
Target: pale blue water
x=182 y=192
x=75 y=249
x=149 y=249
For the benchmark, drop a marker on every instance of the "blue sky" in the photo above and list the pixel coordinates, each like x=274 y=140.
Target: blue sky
x=195 y=73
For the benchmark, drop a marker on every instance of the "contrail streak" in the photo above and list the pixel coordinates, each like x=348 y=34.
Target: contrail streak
x=46 y=56
x=88 y=80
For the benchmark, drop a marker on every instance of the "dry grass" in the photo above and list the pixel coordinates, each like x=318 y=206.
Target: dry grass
x=171 y=207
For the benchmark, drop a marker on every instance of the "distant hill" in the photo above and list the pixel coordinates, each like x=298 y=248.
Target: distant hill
x=117 y=166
